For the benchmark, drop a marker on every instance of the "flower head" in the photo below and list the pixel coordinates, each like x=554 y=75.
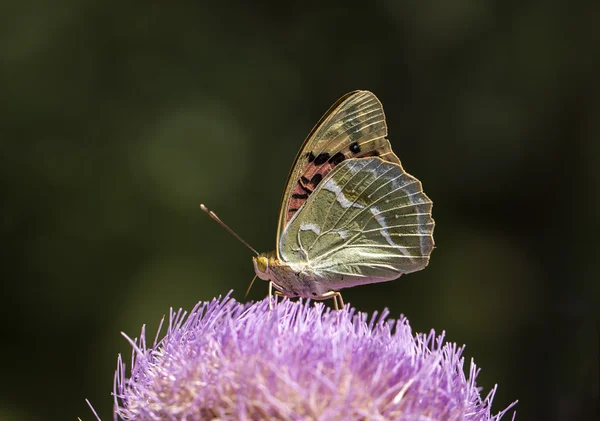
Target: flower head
x=299 y=361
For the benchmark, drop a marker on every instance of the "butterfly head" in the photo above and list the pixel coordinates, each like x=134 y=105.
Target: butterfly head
x=261 y=265
x=269 y=268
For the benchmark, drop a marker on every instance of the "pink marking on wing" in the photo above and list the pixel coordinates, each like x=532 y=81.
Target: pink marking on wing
x=301 y=190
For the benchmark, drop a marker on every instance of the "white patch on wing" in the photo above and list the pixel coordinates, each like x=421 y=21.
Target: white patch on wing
x=343 y=234
x=333 y=187
x=384 y=232
x=311 y=227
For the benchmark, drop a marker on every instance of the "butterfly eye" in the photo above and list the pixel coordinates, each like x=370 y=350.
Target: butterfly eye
x=262 y=264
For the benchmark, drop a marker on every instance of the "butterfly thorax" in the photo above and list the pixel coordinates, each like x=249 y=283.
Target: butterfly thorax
x=293 y=280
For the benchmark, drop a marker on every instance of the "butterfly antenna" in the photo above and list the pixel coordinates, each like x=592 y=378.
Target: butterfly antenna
x=250 y=286
x=216 y=218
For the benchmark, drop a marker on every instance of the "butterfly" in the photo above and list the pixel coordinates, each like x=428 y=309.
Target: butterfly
x=350 y=214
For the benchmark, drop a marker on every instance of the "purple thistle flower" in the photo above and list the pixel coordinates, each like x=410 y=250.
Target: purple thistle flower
x=300 y=361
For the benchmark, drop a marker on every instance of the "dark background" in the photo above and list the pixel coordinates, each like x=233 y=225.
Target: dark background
x=118 y=118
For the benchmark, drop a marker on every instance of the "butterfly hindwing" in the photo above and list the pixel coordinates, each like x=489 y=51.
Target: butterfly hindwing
x=354 y=127
x=367 y=221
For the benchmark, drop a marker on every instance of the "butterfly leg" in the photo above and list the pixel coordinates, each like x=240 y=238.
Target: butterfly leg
x=335 y=295
x=276 y=293
x=339 y=296
x=271 y=295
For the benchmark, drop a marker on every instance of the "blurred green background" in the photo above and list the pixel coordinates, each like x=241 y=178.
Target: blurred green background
x=118 y=118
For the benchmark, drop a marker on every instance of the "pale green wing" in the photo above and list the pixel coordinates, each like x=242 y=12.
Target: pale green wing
x=368 y=221
x=354 y=127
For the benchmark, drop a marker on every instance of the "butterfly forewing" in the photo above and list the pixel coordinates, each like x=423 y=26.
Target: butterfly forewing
x=368 y=221
x=354 y=127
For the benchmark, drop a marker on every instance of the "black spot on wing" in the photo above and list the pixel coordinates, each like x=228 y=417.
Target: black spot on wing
x=300 y=196
x=304 y=180
x=337 y=158
x=310 y=156
x=355 y=147
x=316 y=179
x=321 y=158
x=304 y=188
